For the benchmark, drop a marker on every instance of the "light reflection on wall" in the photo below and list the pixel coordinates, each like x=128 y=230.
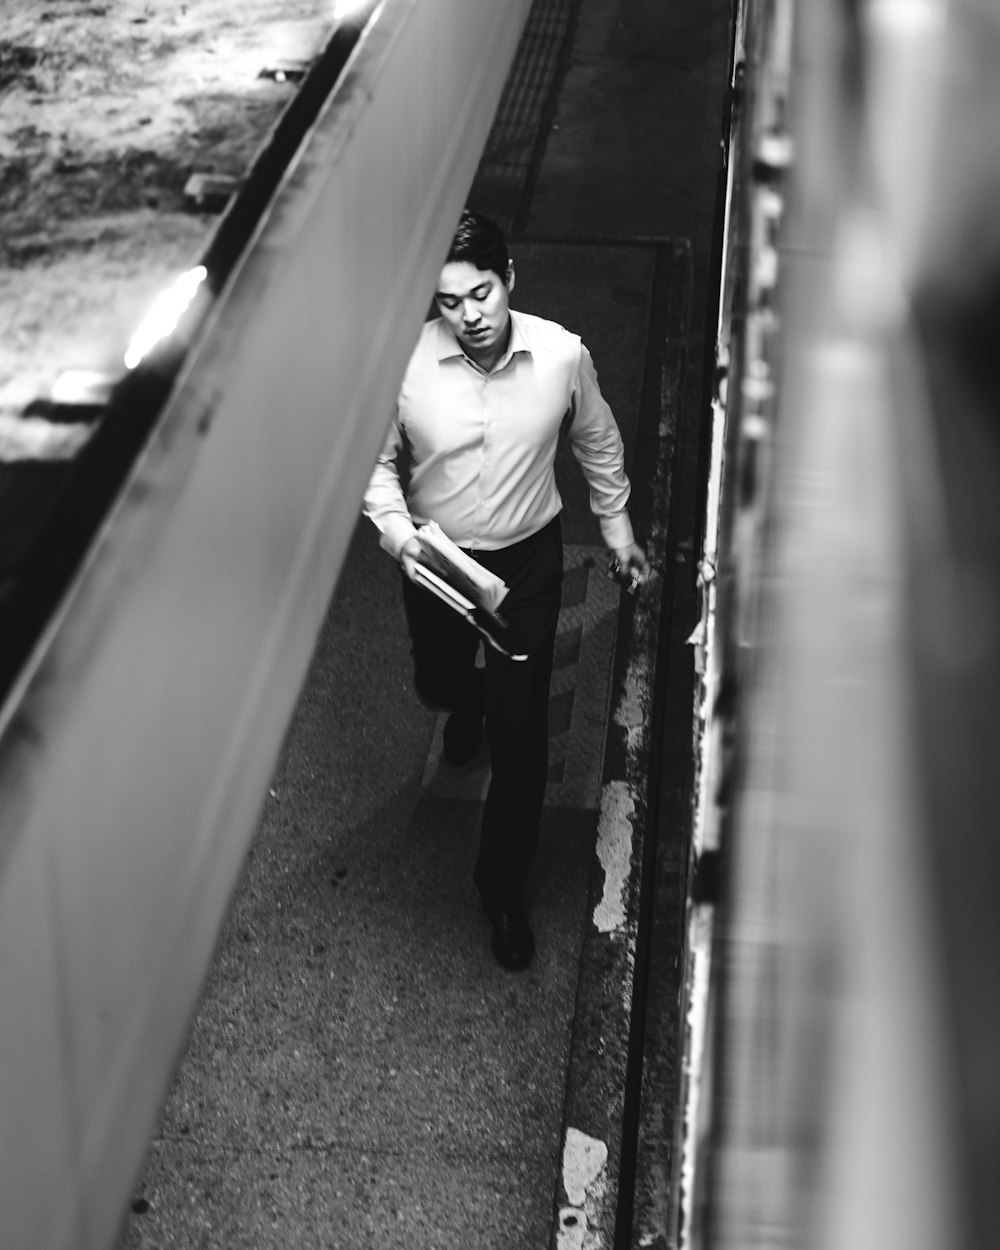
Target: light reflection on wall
x=162 y=319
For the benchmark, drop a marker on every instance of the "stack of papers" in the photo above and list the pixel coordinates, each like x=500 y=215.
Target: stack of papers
x=457 y=574
x=464 y=585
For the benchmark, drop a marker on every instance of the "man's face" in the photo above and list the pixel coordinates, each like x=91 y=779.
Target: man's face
x=476 y=304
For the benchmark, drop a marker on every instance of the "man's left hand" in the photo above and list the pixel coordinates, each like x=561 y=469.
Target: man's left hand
x=633 y=562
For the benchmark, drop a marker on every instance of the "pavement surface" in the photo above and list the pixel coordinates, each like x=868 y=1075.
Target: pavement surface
x=360 y=1071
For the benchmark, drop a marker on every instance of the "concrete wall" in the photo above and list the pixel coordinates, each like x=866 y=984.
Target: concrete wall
x=137 y=747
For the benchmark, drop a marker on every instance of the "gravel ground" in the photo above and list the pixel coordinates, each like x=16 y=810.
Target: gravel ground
x=106 y=110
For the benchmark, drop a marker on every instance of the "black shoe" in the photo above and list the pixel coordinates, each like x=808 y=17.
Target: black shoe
x=463 y=736
x=512 y=944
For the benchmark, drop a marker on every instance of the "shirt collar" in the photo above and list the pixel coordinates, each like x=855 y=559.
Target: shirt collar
x=449 y=348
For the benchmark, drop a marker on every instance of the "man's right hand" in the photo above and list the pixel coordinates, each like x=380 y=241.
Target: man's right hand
x=409 y=556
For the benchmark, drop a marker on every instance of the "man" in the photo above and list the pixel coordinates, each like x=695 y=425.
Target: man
x=485 y=395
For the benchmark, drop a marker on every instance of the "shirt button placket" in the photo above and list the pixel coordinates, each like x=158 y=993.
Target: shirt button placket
x=482 y=493
x=485 y=464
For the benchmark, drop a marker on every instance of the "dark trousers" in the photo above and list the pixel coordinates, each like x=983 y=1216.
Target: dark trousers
x=444 y=648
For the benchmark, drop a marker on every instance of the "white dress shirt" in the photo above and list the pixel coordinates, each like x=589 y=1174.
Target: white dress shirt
x=483 y=445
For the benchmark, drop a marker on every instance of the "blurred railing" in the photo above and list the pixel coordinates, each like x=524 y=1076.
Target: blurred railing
x=851 y=1092
x=137 y=742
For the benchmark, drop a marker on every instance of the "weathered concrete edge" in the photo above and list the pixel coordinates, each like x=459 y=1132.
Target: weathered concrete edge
x=588 y=1188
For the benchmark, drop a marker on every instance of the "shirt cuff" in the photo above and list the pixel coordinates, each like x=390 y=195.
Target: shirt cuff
x=616 y=531
x=397 y=530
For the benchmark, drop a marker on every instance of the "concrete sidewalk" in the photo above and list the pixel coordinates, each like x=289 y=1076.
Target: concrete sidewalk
x=360 y=1071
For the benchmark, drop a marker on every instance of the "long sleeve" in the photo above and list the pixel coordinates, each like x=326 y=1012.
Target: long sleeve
x=481 y=447
x=597 y=444
x=384 y=502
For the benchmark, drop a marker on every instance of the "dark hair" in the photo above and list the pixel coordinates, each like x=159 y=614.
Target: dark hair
x=479 y=241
